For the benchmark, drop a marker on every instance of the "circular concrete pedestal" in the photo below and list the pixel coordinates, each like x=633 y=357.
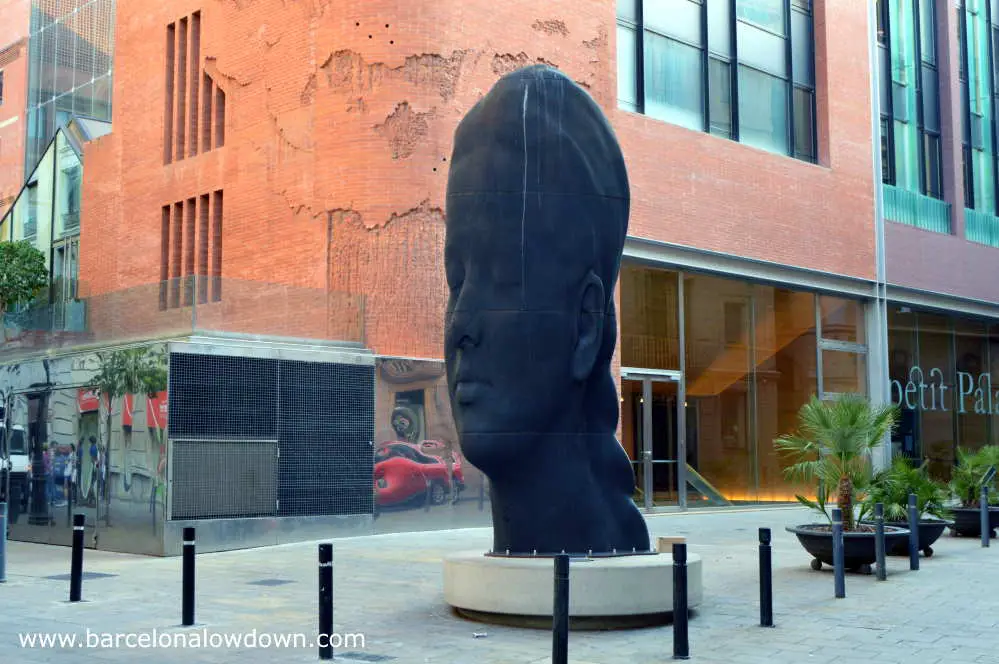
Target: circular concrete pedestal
x=604 y=593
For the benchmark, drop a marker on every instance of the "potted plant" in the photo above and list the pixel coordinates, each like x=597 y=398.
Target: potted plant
x=967 y=480
x=892 y=486
x=832 y=449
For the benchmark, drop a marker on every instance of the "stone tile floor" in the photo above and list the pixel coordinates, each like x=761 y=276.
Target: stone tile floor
x=388 y=588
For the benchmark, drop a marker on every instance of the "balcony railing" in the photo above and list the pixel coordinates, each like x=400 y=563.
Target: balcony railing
x=234 y=306
x=913 y=209
x=981 y=227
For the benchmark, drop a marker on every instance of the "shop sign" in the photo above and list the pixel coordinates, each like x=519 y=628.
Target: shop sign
x=927 y=391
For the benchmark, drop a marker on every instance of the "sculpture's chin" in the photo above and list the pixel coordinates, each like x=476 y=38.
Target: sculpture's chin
x=491 y=453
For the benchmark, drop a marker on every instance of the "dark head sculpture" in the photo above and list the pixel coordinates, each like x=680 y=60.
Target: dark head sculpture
x=537 y=214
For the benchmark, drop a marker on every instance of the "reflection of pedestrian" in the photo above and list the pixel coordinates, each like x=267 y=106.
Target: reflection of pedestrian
x=95 y=470
x=47 y=468
x=69 y=475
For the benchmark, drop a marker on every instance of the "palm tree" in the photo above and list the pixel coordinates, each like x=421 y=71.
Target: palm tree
x=128 y=371
x=833 y=447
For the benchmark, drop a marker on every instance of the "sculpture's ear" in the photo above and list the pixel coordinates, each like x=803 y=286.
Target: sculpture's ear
x=589 y=326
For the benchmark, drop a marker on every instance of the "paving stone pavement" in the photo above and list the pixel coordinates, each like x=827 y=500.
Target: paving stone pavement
x=388 y=588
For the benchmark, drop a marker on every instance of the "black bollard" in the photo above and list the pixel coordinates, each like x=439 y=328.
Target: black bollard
x=766 y=580
x=560 y=611
x=76 y=569
x=681 y=646
x=187 y=601
x=839 y=575
x=325 y=601
x=984 y=511
x=879 y=540
x=913 y=533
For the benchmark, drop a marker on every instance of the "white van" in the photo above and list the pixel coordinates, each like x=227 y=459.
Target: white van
x=15 y=457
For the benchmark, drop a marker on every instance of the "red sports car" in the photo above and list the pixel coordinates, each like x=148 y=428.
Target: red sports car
x=404 y=473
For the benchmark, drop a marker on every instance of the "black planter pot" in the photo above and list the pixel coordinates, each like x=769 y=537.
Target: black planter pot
x=968 y=521
x=858 y=548
x=930 y=531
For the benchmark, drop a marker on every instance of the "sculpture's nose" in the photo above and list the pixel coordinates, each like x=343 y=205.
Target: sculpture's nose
x=464 y=330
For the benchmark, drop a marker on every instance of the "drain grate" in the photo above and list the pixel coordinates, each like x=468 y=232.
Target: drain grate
x=270 y=582
x=86 y=576
x=364 y=657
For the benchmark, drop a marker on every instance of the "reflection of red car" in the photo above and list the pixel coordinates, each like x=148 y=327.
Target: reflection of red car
x=403 y=472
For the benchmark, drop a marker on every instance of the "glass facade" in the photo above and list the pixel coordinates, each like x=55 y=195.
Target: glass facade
x=677 y=62
x=941 y=369
x=909 y=97
x=977 y=23
x=749 y=356
x=70 y=67
x=47 y=214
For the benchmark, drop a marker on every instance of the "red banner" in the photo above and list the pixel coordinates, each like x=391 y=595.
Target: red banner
x=87 y=400
x=156 y=411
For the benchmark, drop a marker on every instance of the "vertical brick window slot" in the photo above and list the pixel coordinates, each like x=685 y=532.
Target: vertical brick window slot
x=177 y=228
x=206 y=114
x=195 y=66
x=181 y=89
x=219 y=118
x=171 y=39
x=189 y=219
x=203 y=249
x=165 y=258
x=217 y=246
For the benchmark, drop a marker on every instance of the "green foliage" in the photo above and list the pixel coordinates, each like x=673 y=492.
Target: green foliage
x=892 y=487
x=131 y=371
x=832 y=449
x=23 y=274
x=966 y=480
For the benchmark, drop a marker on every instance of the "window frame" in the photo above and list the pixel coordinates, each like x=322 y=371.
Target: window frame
x=636 y=24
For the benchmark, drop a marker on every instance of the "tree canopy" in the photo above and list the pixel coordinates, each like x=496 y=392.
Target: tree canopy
x=23 y=273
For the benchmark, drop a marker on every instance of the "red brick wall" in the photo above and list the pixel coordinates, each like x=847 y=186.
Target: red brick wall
x=14 y=19
x=340 y=119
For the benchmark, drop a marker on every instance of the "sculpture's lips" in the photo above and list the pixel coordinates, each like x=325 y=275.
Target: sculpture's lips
x=467 y=391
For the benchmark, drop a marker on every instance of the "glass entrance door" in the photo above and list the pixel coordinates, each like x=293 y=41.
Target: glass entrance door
x=652 y=433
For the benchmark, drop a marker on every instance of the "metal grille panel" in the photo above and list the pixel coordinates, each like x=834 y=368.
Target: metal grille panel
x=216 y=479
x=326 y=432
x=223 y=397
x=316 y=420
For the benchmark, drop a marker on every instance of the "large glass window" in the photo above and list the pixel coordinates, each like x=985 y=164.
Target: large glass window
x=673 y=88
x=719 y=340
x=942 y=371
x=692 y=83
x=977 y=41
x=649 y=318
x=762 y=110
x=909 y=96
x=752 y=355
x=786 y=379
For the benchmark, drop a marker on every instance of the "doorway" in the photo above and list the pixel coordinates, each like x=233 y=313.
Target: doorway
x=652 y=407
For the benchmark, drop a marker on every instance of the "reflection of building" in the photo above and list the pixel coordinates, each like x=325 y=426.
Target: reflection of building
x=46 y=212
x=273 y=442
